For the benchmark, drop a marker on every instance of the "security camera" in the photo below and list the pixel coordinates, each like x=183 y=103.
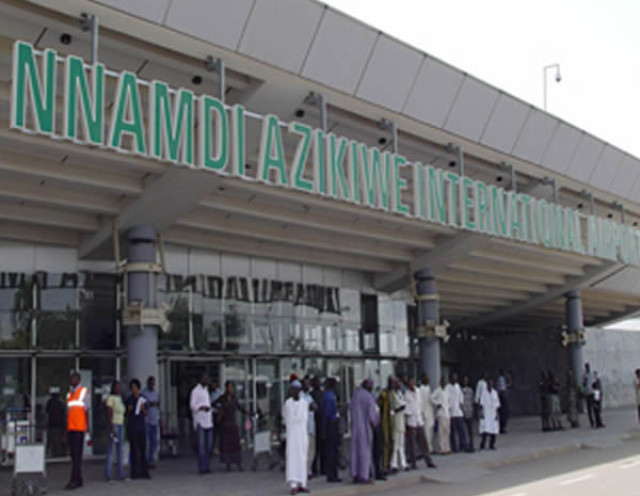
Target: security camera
x=558 y=76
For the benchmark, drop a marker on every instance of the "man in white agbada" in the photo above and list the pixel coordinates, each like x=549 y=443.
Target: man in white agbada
x=397 y=406
x=427 y=410
x=442 y=402
x=489 y=416
x=296 y=415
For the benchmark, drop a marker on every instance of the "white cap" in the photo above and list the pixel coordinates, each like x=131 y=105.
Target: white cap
x=54 y=390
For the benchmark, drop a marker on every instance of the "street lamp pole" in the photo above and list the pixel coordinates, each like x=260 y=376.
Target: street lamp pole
x=544 y=80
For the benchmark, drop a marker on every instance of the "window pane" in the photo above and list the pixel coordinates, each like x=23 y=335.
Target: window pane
x=52 y=384
x=99 y=314
x=16 y=310
x=103 y=373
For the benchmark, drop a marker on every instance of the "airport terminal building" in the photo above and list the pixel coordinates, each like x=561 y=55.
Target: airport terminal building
x=259 y=188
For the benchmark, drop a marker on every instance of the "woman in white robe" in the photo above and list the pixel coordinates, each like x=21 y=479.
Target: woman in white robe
x=296 y=414
x=489 y=416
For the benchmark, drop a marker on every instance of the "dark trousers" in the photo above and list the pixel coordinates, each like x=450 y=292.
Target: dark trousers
x=504 y=411
x=331 y=450
x=468 y=422
x=55 y=446
x=415 y=435
x=597 y=408
x=317 y=466
x=138 y=454
x=377 y=452
x=544 y=411
x=591 y=410
x=492 y=440
x=458 y=437
x=75 y=440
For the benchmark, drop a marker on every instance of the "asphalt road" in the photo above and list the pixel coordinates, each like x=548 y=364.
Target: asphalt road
x=612 y=471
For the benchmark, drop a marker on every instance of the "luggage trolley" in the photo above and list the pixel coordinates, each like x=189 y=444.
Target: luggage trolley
x=262 y=442
x=29 y=466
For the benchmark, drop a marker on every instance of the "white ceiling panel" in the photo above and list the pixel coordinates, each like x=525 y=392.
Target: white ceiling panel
x=504 y=123
x=562 y=148
x=607 y=167
x=152 y=10
x=625 y=281
x=626 y=177
x=390 y=73
x=472 y=108
x=339 y=52
x=434 y=92
x=535 y=136
x=279 y=32
x=219 y=21
x=585 y=159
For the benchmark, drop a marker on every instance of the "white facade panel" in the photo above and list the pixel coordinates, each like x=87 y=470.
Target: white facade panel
x=332 y=277
x=535 y=136
x=289 y=272
x=203 y=262
x=390 y=73
x=264 y=268
x=218 y=21
x=471 y=109
x=433 y=94
x=56 y=259
x=151 y=10
x=312 y=274
x=634 y=195
x=16 y=256
x=585 y=158
x=562 y=148
x=606 y=168
x=626 y=177
x=280 y=32
x=235 y=265
x=176 y=259
x=339 y=52
x=504 y=123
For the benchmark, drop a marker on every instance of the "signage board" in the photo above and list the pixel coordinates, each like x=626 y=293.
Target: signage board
x=201 y=132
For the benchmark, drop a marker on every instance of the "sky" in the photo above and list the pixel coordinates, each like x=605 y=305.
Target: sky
x=507 y=43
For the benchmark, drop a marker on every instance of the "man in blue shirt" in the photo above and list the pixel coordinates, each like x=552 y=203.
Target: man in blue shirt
x=331 y=430
x=152 y=421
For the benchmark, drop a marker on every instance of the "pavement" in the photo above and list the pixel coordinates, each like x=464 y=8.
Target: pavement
x=523 y=443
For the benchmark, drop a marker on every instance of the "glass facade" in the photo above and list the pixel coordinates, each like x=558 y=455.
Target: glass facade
x=253 y=331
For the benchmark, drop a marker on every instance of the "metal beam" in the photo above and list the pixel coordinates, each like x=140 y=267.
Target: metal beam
x=444 y=254
x=308 y=217
x=590 y=276
x=278 y=251
x=44 y=194
x=235 y=224
x=46 y=216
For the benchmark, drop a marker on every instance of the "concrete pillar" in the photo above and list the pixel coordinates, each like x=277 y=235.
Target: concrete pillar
x=573 y=308
x=428 y=311
x=142 y=343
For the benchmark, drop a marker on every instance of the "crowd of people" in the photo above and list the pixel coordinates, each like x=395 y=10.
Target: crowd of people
x=390 y=430
x=589 y=390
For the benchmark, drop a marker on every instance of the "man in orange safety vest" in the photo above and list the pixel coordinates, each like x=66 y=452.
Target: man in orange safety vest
x=78 y=404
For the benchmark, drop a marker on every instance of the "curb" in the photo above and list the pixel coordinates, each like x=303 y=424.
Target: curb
x=526 y=457
x=355 y=489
